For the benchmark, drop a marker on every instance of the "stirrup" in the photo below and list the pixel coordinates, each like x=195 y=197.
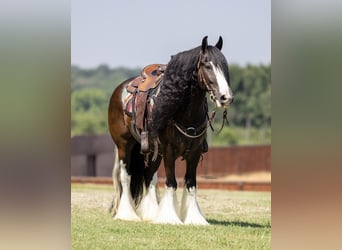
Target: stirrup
x=145 y=148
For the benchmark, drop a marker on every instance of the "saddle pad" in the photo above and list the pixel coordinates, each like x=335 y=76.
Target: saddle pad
x=127 y=100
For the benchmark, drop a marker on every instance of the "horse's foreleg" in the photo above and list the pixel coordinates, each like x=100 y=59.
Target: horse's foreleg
x=168 y=206
x=190 y=210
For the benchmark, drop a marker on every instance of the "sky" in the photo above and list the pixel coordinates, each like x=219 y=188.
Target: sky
x=135 y=33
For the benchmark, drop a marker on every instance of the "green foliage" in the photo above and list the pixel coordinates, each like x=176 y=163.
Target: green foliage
x=226 y=137
x=249 y=116
x=252 y=89
x=102 y=77
x=88 y=112
x=235 y=135
x=85 y=100
x=90 y=93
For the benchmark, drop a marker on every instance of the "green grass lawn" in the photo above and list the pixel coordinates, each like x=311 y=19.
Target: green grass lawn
x=238 y=220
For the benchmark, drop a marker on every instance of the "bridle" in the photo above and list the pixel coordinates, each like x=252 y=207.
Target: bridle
x=202 y=79
x=203 y=83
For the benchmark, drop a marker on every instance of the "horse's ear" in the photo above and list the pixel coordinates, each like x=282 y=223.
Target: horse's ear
x=204 y=44
x=219 y=43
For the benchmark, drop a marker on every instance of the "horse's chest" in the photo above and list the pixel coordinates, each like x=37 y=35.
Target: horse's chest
x=180 y=145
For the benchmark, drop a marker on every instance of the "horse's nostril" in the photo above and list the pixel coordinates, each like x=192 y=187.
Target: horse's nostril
x=224 y=98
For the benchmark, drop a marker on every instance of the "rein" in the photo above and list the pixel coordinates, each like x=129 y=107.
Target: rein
x=224 y=120
x=209 y=124
x=184 y=132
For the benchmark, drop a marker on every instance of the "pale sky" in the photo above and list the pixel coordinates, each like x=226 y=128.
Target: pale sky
x=135 y=33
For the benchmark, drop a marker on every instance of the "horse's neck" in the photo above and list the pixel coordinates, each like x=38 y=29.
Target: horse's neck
x=194 y=112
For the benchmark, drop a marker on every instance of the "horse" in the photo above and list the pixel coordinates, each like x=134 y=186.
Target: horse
x=177 y=128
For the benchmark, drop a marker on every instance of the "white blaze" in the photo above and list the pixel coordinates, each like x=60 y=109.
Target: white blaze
x=222 y=82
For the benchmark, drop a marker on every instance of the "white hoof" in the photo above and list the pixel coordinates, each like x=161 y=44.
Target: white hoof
x=168 y=208
x=190 y=211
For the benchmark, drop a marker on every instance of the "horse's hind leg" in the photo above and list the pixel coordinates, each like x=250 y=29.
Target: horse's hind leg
x=117 y=185
x=125 y=205
x=148 y=207
x=125 y=209
x=190 y=211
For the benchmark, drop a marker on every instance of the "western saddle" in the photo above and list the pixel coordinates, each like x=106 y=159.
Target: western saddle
x=150 y=78
x=140 y=87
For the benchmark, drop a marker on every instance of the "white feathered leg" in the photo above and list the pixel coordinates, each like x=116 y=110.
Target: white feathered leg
x=168 y=208
x=148 y=208
x=190 y=211
x=117 y=184
x=126 y=209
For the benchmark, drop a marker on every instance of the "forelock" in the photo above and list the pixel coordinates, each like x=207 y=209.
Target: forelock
x=218 y=59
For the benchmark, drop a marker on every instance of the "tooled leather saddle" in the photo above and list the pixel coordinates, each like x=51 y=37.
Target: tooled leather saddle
x=137 y=101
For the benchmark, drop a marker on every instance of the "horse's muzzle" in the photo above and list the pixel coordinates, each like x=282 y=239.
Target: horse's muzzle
x=226 y=101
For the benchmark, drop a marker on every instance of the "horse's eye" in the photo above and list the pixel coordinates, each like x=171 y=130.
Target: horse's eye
x=207 y=65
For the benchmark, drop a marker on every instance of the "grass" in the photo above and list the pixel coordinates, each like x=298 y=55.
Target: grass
x=238 y=220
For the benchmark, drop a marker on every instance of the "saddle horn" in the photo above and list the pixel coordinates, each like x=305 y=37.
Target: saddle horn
x=204 y=44
x=219 y=43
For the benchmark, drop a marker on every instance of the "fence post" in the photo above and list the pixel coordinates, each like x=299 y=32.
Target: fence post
x=91 y=165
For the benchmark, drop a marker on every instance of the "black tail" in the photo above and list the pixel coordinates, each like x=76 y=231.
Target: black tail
x=137 y=167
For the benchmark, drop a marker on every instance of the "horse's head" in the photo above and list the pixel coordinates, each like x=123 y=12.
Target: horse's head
x=213 y=73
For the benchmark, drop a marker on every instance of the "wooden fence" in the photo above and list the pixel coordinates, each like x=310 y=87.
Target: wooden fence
x=94 y=156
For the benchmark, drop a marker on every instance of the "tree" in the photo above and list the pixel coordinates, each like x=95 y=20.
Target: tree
x=88 y=112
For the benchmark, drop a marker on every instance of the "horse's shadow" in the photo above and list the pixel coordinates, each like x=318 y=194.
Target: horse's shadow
x=237 y=223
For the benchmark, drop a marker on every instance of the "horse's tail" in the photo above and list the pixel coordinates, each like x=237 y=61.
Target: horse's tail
x=137 y=167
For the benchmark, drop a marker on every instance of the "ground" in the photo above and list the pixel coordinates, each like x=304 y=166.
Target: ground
x=238 y=220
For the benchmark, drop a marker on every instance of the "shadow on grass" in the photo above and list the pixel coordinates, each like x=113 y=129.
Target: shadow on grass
x=237 y=223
